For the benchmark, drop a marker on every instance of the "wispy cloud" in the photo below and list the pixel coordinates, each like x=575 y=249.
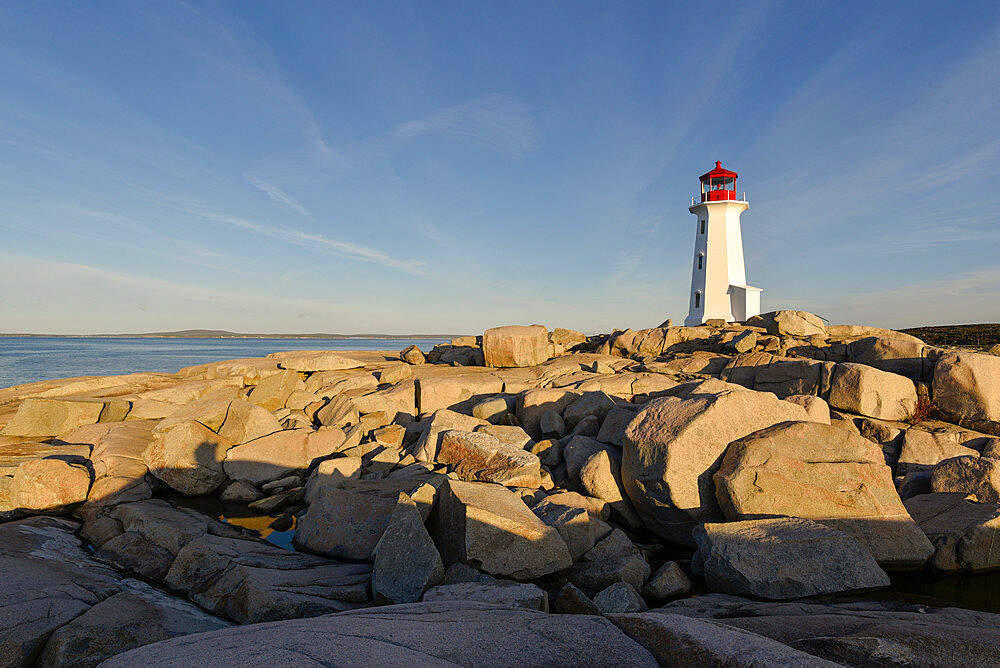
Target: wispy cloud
x=498 y=122
x=278 y=196
x=311 y=240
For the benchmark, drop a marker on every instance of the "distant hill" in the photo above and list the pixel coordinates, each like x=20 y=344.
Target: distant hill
x=977 y=336
x=223 y=334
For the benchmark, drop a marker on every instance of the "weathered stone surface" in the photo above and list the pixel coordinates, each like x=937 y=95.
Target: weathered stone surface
x=907 y=358
x=426 y=447
x=331 y=474
x=131 y=552
x=791 y=323
x=674 y=445
x=48 y=580
x=133 y=618
x=269 y=457
x=865 y=390
x=516 y=346
x=963 y=531
x=743 y=342
x=455 y=392
x=533 y=404
x=443 y=633
x=620 y=597
x=572 y=601
x=614 y=425
x=819 y=472
x=272 y=392
x=481 y=457
x=251 y=581
x=398 y=402
x=43 y=418
x=676 y=640
x=338 y=412
x=209 y=411
x=669 y=581
x=188 y=457
x=817 y=409
x=240 y=491
x=490 y=528
x=975 y=475
x=551 y=425
x=593 y=576
x=497 y=592
x=246 y=421
x=314 y=360
x=407 y=562
x=597 y=404
x=272 y=504
x=413 y=355
x=783 y=558
x=166 y=526
x=600 y=477
x=923 y=448
x=579 y=527
x=864 y=633
x=493 y=409
x=48 y=485
x=509 y=434
x=348 y=521
x=967 y=389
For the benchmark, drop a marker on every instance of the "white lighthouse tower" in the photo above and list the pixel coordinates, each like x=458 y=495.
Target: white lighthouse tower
x=718 y=281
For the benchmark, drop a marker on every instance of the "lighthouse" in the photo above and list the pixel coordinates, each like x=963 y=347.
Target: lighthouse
x=718 y=280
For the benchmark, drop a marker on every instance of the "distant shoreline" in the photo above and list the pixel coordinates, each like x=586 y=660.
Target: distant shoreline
x=227 y=335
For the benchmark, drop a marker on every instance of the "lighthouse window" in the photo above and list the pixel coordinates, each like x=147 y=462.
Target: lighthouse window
x=701 y=260
x=703 y=227
x=697 y=300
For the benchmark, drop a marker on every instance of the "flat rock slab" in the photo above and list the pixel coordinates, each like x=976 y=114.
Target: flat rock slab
x=315 y=360
x=866 y=633
x=420 y=634
x=46 y=580
x=782 y=559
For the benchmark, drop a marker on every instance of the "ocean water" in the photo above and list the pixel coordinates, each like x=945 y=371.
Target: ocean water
x=29 y=359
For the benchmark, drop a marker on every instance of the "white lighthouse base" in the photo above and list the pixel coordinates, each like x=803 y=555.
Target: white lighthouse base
x=744 y=303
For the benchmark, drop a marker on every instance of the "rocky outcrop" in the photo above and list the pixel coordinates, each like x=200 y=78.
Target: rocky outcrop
x=188 y=457
x=819 y=472
x=482 y=457
x=674 y=445
x=516 y=346
x=38 y=417
x=964 y=532
x=865 y=390
x=490 y=527
x=270 y=457
x=967 y=389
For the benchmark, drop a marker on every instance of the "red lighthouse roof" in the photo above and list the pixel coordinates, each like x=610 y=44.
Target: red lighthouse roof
x=718 y=172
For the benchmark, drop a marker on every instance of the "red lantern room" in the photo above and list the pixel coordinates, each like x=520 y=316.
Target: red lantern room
x=718 y=184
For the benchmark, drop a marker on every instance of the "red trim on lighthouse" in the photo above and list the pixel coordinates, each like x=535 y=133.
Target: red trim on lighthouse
x=718 y=184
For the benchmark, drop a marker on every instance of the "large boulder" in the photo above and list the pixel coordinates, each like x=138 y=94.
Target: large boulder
x=963 y=531
x=967 y=389
x=49 y=485
x=490 y=527
x=923 y=448
x=314 y=360
x=865 y=390
x=819 y=472
x=427 y=445
x=246 y=421
x=497 y=592
x=969 y=475
x=482 y=457
x=441 y=633
x=783 y=558
x=272 y=392
x=406 y=561
x=790 y=323
x=348 y=522
x=455 y=392
x=188 y=457
x=579 y=527
x=269 y=457
x=516 y=346
x=533 y=404
x=675 y=444
x=39 y=417
x=907 y=358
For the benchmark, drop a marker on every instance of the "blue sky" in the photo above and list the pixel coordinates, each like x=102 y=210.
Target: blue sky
x=448 y=167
